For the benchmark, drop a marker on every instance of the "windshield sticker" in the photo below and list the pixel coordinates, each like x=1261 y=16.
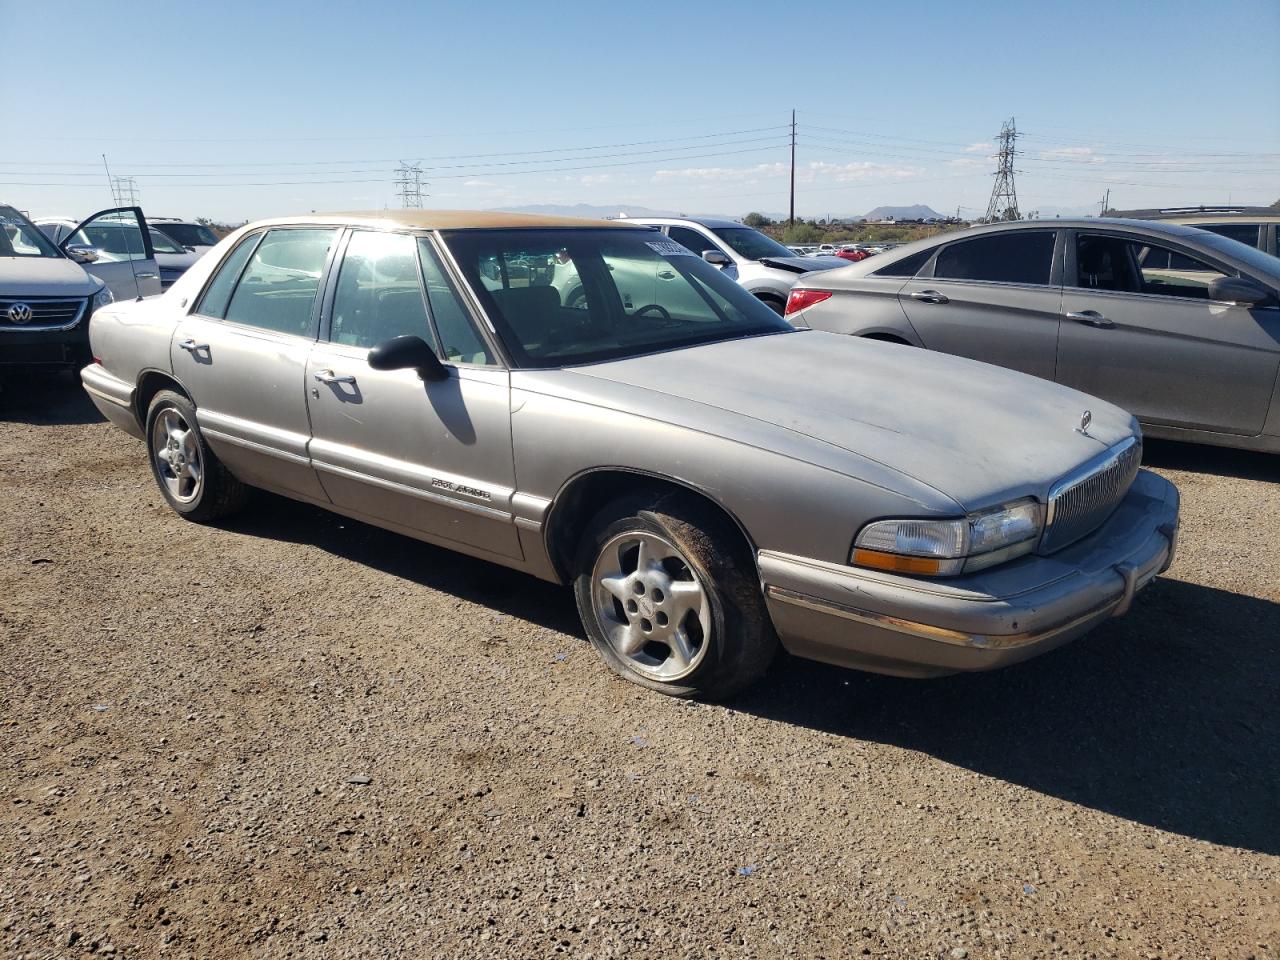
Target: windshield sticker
x=669 y=248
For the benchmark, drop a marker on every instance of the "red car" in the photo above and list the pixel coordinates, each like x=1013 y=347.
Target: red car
x=854 y=255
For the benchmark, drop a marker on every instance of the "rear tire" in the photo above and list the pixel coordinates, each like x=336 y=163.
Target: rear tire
x=773 y=303
x=669 y=597
x=190 y=476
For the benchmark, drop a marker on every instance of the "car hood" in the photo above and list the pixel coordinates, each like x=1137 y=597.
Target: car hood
x=803 y=264
x=44 y=277
x=977 y=433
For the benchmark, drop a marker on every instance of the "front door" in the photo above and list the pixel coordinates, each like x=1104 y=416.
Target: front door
x=1140 y=330
x=121 y=246
x=242 y=353
x=994 y=298
x=432 y=458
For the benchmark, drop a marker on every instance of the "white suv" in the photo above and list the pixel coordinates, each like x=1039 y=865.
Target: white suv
x=761 y=264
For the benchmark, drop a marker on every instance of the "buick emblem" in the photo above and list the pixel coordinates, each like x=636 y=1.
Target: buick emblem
x=20 y=313
x=1084 y=422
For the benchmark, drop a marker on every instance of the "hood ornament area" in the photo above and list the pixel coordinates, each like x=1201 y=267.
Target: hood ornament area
x=1084 y=423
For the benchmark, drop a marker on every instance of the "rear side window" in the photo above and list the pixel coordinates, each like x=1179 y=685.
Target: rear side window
x=1019 y=256
x=278 y=287
x=907 y=266
x=218 y=294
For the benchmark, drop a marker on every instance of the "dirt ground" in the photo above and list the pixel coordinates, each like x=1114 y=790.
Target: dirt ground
x=301 y=736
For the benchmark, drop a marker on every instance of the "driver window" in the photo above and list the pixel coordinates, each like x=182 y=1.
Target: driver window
x=691 y=240
x=1172 y=274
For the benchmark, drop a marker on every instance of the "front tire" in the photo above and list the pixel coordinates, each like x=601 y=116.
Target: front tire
x=773 y=303
x=190 y=476
x=668 y=594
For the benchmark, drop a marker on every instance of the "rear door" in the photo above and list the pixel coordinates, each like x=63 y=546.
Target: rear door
x=995 y=298
x=126 y=260
x=242 y=353
x=432 y=458
x=1140 y=330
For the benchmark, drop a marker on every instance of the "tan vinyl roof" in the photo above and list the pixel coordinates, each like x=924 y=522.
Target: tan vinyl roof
x=446 y=219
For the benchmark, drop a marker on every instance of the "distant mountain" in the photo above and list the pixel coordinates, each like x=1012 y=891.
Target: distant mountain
x=917 y=211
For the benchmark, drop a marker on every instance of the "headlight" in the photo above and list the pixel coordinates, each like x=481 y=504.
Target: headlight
x=103 y=297
x=942 y=548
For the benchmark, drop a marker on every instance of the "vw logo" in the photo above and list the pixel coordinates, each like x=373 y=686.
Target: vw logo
x=20 y=313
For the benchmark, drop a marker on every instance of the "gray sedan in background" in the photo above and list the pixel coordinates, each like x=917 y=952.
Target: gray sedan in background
x=708 y=478
x=1177 y=325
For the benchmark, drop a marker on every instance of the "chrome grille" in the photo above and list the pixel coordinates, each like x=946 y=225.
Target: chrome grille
x=46 y=313
x=1082 y=500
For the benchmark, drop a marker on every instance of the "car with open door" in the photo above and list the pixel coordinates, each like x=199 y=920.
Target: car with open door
x=710 y=480
x=1179 y=325
x=46 y=295
x=171 y=258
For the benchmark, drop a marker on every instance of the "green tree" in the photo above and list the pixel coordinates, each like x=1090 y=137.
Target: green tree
x=757 y=220
x=802 y=233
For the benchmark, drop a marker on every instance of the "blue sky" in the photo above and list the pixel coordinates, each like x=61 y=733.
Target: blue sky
x=242 y=110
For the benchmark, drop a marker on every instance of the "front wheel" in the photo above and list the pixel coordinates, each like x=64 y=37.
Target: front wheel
x=190 y=476
x=668 y=594
x=773 y=303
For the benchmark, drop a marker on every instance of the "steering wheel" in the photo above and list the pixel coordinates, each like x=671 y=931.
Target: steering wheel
x=665 y=316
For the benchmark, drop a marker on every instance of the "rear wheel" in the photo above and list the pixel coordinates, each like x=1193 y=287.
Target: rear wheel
x=668 y=595
x=773 y=303
x=190 y=476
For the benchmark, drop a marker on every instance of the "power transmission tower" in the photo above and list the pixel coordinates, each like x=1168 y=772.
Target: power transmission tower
x=1004 y=198
x=124 y=190
x=791 y=217
x=409 y=184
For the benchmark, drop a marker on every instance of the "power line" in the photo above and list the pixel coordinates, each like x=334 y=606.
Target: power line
x=409 y=184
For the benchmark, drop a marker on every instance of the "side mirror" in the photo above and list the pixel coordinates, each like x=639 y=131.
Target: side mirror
x=81 y=252
x=716 y=258
x=408 y=353
x=1242 y=290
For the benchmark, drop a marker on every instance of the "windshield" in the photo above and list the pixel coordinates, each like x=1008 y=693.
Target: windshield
x=565 y=297
x=189 y=234
x=1251 y=257
x=19 y=237
x=751 y=244
x=162 y=244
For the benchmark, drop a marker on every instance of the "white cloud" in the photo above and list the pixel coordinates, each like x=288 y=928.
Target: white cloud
x=983 y=147
x=970 y=163
x=593 y=179
x=856 y=171
x=1079 y=154
x=722 y=173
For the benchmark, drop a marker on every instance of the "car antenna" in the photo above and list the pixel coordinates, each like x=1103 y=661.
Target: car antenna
x=133 y=268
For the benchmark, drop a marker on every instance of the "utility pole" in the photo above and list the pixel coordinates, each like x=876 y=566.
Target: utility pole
x=1004 y=198
x=1106 y=202
x=791 y=217
x=409 y=184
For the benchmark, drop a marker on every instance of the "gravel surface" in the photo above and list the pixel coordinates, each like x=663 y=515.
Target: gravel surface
x=301 y=736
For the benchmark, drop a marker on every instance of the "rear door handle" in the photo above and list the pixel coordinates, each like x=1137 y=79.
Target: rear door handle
x=929 y=296
x=666 y=275
x=192 y=347
x=147 y=276
x=328 y=376
x=1092 y=318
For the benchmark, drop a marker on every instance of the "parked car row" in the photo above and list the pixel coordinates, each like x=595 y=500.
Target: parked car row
x=601 y=405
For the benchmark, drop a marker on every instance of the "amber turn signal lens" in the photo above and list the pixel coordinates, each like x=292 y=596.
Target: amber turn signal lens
x=897 y=563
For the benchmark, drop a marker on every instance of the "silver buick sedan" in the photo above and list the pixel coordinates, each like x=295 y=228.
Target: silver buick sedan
x=709 y=479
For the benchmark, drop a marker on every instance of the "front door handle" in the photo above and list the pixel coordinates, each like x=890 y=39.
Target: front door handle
x=192 y=347
x=929 y=296
x=666 y=275
x=1092 y=318
x=148 y=276
x=328 y=376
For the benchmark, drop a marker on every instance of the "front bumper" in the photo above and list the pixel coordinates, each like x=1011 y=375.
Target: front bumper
x=913 y=627
x=47 y=347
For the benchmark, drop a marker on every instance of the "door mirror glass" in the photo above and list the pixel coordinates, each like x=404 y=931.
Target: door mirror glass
x=408 y=352
x=1240 y=290
x=82 y=253
x=716 y=258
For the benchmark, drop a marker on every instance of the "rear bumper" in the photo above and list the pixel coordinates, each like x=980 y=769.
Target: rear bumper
x=914 y=627
x=112 y=396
